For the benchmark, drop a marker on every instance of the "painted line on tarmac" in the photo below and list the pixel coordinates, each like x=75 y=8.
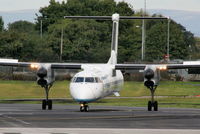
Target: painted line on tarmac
x=3 y=120
x=17 y=120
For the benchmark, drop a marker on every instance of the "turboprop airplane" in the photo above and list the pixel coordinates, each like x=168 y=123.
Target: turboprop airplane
x=97 y=81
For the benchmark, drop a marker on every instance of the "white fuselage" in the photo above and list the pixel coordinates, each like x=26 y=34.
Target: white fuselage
x=95 y=82
x=100 y=80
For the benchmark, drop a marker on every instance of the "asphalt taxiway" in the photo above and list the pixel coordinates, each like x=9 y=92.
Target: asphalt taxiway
x=99 y=117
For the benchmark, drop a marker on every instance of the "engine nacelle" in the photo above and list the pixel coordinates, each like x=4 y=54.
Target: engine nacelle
x=151 y=76
x=42 y=72
x=149 y=73
x=149 y=83
x=45 y=75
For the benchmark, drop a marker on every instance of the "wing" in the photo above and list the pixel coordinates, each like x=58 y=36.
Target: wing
x=183 y=66
x=160 y=66
x=15 y=63
x=130 y=66
x=66 y=65
x=36 y=65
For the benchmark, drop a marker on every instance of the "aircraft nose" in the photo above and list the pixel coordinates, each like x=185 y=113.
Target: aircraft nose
x=84 y=92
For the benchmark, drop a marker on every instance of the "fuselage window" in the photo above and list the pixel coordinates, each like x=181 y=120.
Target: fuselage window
x=89 y=79
x=79 y=79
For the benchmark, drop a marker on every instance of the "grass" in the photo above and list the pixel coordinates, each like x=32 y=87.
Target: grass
x=174 y=90
x=166 y=88
x=29 y=89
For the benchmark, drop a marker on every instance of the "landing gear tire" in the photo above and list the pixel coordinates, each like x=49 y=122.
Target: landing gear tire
x=82 y=108
x=149 y=106
x=44 y=104
x=155 y=105
x=152 y=104
x=49 y=103
x=86 y=108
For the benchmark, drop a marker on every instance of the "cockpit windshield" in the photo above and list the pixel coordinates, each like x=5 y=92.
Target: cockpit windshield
x=89 y=79
x=86 y=79
x=79 y=79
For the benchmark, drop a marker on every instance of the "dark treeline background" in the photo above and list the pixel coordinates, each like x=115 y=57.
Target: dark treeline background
x=89 y=40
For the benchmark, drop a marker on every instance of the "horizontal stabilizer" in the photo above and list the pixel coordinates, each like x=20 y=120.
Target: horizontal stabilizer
x=9 y=60
x=191 y=62
x=110 y=17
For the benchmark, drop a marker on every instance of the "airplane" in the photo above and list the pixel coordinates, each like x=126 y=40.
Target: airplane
x=97 y=81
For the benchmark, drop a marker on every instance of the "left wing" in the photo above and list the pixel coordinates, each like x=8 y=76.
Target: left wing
x=159 y=66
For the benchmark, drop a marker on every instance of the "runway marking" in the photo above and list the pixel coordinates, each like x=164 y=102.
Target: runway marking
x=15 y=119
x=9 y=123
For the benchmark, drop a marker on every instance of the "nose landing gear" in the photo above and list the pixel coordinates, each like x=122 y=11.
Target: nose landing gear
x=84 y=107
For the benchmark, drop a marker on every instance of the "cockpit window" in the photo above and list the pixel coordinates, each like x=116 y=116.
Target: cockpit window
x=73 y=79
x=89 y=79
x=86 y=79
x=97 y=80
x=79 y=79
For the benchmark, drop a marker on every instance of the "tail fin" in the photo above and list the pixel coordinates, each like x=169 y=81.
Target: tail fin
x=114 y=43
x=115 y=18
x=113 y=58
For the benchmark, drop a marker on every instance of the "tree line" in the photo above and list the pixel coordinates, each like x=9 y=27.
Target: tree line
x=90 y=40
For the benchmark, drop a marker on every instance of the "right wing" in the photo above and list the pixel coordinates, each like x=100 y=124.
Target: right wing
x=31 y=64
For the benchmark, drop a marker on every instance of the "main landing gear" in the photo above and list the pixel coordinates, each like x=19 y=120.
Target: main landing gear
x=152 y=104
x=46 y=102
x=84 y=107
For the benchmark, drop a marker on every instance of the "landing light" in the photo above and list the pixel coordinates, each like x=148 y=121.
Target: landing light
x=34 y=66
x=162 y=68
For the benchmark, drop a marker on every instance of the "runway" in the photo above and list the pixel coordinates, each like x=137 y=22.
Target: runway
x=100 y=117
